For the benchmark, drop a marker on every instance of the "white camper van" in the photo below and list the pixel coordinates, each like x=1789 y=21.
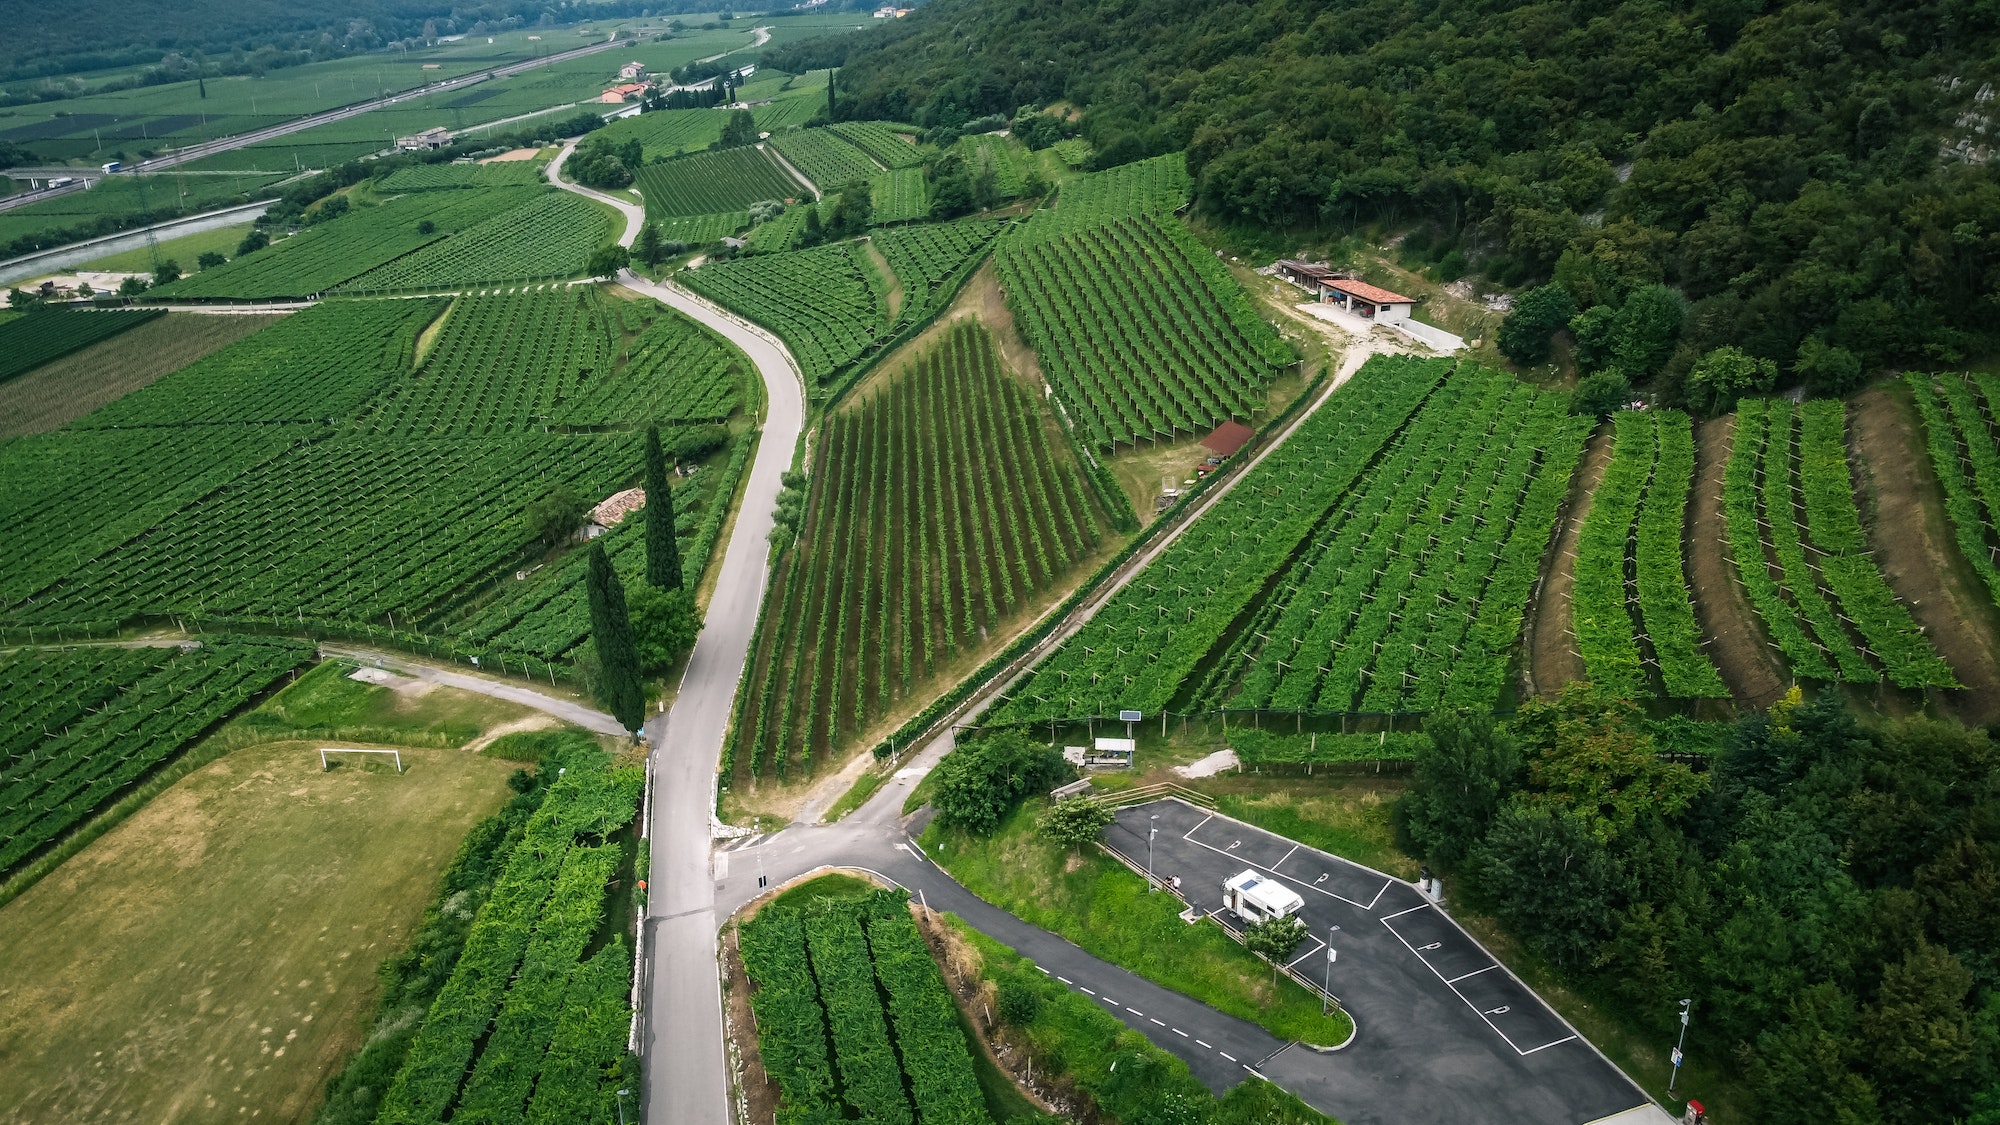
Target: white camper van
x=1259 y=898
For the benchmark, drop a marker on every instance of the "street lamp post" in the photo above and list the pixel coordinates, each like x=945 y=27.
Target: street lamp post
x=621 y=1106
x=1678 y=1044
x=1152 y=884
x=1326 y=988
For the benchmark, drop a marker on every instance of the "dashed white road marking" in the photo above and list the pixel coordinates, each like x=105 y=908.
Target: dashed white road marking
x=1179 y=1032
x=1156 y=1022
x=1085 y=991
x=1227 y=1055
x=1205 y=1045
x=1063 y=979
x=1133 y=1010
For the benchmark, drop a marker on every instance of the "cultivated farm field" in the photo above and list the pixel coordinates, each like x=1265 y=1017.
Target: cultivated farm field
x=1140 y=330
x=551 y=235
x=714 y=183
x=862 y=963
x=939 y=509
x=390 y=496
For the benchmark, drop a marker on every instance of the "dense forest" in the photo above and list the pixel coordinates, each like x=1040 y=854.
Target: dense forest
x=1805 y=176
x=1829 y=893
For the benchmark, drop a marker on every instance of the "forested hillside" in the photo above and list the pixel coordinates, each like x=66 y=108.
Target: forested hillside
x=1807 y=174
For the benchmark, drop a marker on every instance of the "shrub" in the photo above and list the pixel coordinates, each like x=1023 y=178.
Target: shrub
x=1525 y=334
x=979 y=783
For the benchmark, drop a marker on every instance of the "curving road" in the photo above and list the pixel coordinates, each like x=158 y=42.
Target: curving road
x=681 y=1036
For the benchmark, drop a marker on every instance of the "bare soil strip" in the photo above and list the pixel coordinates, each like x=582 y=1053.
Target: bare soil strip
x=1903 y=509
x=1736 y=640
x=1553 y=659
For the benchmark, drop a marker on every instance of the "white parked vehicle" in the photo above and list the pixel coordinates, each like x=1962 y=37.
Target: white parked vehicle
x=1259 y=898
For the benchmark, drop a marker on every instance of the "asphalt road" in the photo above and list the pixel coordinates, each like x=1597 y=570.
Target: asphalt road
x=681 y=1038
x=1447 y=1034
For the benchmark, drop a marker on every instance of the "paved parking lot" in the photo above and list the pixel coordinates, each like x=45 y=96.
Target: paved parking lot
x=1447 y=1034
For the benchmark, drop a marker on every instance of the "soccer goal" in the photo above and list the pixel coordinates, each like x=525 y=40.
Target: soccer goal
x=324 y=765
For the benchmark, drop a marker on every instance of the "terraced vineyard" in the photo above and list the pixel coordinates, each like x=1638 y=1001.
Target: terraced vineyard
x=551 y=236
x=667 y=133
x=1409 y=593
x=119 y=714
x=847 y=988
x=938 y=508
x=714 y=183
x=319 y=365
x=883 y=144
x=68 y=496
x=1787 y=492
x=320 y=258
x=506 y=363
x=547 y=615
x=438 y=177
x=1629 y=556
x=29 y=340
x=1145 y=187
x=820 y=301
x=823 y=157
x=784 y=113
x=925 y=257
x=1958 y=435
x=346 y=531
x=1404 y=523
x=527 y=1028
x=899 y=196
x=775 y=235
x=700 y=230
x=674 y=374
x=1141 y=332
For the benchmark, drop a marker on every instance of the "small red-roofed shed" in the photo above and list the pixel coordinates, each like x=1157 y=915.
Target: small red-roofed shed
x=1228 y=438
x=1363 y=299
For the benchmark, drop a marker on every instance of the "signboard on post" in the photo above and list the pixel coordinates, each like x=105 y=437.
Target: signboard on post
x=1128 y=718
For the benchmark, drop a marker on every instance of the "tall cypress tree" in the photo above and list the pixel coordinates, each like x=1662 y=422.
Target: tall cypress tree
x=829 y=96
x=663 y=554
x=611 y=627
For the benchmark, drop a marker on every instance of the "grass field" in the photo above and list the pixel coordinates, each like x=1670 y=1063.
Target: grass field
x=214 y=956
x=1102 y=906
x=58 y=393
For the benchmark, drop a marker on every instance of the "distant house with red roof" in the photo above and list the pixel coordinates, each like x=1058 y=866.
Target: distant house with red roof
x=618 y=95
x=1370 y=301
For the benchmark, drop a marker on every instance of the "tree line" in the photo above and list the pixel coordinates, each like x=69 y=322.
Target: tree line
x=1827 y=893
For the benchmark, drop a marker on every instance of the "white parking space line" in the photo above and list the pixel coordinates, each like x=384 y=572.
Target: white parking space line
x=1473 y=973
x=1197 y=828
x=1454 y=988
x=1317 y=946
x=1398 y=914
x=1230 y=851
x=1287 y=855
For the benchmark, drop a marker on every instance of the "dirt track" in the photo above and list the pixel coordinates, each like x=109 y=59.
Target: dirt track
x=1553 y=659
x=1736 y=640
x=1903 y=509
